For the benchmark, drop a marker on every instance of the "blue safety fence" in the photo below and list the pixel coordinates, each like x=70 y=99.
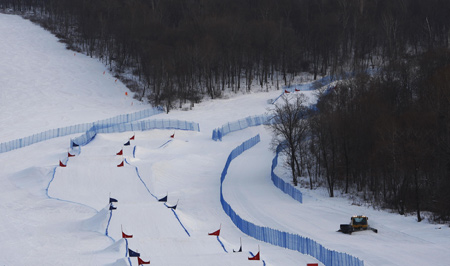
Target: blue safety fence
x=80 y=128
x=151 y=124
x=250 y=121
x=275 y=237
x=134 y=126
x=280 y=183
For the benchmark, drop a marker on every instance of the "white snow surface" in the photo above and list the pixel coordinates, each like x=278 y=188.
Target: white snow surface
x=52 y=215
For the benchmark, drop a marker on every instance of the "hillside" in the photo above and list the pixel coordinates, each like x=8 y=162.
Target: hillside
x=57 y=216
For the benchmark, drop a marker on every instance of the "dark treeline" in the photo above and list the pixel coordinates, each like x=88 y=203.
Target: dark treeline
x=182 y=50
x=389 y=136
x=385 y=137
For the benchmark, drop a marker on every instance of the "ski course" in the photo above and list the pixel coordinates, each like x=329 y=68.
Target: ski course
x=46 y=86
x=92 y=176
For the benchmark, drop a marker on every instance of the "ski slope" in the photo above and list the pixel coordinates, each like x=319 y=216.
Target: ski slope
x=400 y=241
x=59 y=215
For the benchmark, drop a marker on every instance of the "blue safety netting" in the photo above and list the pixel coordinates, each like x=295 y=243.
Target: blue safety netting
x=250 y=121
x=134 y=126
x=64 y=131
x=275 y=237
x=280 y=183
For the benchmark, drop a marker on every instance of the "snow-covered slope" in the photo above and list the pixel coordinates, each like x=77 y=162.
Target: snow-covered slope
x=59 y=216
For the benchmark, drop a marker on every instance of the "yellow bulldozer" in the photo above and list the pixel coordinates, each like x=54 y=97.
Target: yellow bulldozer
x=357 y=223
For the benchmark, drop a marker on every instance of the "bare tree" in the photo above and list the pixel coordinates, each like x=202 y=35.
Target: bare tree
x=289 y=128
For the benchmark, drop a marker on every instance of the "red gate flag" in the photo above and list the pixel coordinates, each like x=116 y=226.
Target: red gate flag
x=286 y=91
x=132 y=138
x=120 y=165
x=216 y=233
x=126 y=236
x=173 y=135
x=120 y=152
x=70 y=155
x=140 y=261
x=256 y=257
x=297 y=89
x=61 y=164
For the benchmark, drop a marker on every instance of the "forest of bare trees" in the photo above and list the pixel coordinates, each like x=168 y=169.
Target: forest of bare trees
x=388 y=136
x=182 y=50
x=384 y=135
